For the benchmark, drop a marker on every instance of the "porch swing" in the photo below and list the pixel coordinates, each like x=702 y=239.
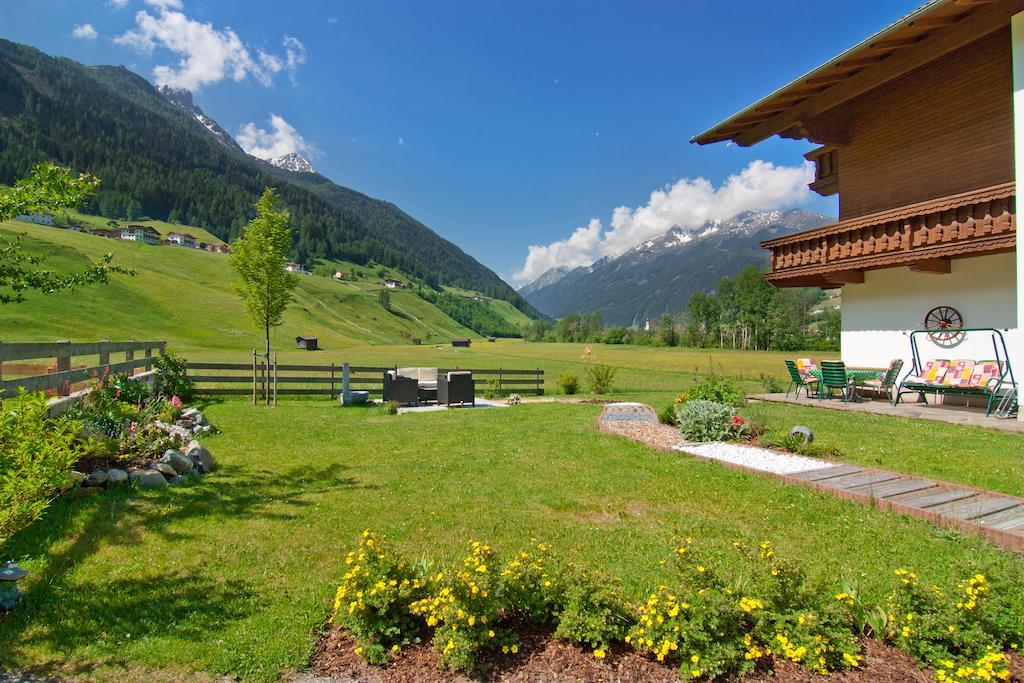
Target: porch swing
x=989 y=379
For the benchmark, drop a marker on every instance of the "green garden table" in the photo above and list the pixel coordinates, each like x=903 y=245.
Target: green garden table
x=856 y=377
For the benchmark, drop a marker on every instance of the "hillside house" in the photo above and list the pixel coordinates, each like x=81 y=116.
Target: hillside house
x=461 y=342
x=296 y=268
x=140 y=233
x=181 y=239
x=393 y=284
x=109 y=233
x=916 y=130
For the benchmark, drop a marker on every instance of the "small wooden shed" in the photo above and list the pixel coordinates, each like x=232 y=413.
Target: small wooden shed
x=462 y=341
x=307 y=343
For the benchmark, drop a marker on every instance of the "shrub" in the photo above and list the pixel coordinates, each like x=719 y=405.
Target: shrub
x=703 y=421
x=493 y=388
x=712 y=624
x=170 y=377
x=720 y=614
x=569 y=383
x=716 y=388
x=669 y=415
x=373 y=600
x=36 y=455
x=600 y=378
x=592 y=614
x=387 y=408
x=771 y=384
x=794 y=443
x=464 y=608
x=125 y=389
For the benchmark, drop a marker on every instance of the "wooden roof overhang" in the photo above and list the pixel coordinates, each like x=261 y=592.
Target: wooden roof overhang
x=806 y=108
x=924 y=236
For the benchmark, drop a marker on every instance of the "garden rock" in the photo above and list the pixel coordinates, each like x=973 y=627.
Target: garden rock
x=174 y=430
x=176 y=479
x=200 y=456
x=803 y=432
x=116 y=477
x=147 y=479
x=195 y=415
x=75 y=478
x=97 y=478
x=164 y=469
x=177 y=460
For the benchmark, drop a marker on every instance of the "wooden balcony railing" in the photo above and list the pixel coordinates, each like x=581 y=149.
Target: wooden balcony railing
x=923 y=236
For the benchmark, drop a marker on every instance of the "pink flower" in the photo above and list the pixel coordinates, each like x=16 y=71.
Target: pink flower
x=174 y=402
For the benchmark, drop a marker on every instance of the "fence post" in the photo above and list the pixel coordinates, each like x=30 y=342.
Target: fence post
x=346 y=384
x=254 y=376
x=64 y=365
x=104 y=352
x=275 y=379
x=539 y=378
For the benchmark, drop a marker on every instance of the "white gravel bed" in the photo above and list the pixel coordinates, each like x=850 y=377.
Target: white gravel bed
x=754 y=458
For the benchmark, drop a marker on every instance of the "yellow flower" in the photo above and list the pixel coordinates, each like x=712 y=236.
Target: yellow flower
x=515 y=649
x=599 y=653
x=695 y=659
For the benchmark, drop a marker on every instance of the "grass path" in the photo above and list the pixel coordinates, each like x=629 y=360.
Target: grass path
x=234 y=575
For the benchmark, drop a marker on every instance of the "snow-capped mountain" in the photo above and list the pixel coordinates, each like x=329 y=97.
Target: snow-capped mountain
x=547 y=278
x=183 y=98
x=659 y=275
x=294 y=162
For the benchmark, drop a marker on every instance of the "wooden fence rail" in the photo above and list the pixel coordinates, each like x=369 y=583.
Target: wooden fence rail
x=55 y=360
x=260 y=380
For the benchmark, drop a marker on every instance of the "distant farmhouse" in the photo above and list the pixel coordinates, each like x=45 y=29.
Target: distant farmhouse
x=393 y=284
x=39 y=218
x=140 y=233
x=296 y=268
x=109 y=233
x=181 y=239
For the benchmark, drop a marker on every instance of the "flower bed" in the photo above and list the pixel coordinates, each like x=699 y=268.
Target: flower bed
x=737 y=612
x=139 y=433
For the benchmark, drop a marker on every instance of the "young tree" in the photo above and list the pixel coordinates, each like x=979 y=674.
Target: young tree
x=258 y=257
x=48 y=189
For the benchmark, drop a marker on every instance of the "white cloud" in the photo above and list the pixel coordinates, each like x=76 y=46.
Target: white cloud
x=85 y=32
x=207 y=54
x=687 y=203
x=401 y=141
x=118 y=4
x=332 y=20
x=281 y=139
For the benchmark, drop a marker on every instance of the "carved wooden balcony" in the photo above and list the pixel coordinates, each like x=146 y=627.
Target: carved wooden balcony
x=922 y=236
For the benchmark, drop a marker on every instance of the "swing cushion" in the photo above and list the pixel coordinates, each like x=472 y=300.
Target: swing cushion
x=933 y=373
x=984 y=372
x=959 y=374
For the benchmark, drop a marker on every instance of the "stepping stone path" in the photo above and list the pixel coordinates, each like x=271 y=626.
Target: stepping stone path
x=997 y=516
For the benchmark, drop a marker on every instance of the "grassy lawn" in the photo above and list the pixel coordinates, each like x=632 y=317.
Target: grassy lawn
x=966 y=455
x=234 y=575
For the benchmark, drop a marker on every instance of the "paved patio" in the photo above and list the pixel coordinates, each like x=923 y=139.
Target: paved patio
x=961 y=415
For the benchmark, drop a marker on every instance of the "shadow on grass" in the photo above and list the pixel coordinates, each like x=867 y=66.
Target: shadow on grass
x=67 y=613
x=108 y=614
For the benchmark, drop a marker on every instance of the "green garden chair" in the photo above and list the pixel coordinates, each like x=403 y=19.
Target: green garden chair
x=886 y=385
x=833 y=376
x=799 y=381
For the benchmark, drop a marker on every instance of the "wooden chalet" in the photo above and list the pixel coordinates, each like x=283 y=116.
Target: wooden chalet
x=915 y=130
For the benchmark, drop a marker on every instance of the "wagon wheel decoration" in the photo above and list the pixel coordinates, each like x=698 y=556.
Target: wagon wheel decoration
x=944 y=325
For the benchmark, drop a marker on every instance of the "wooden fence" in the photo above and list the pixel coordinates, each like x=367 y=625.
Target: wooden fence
x=53 y=371
x=263 y=381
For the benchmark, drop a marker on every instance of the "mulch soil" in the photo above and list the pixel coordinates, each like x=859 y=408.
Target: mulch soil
x=545 y=659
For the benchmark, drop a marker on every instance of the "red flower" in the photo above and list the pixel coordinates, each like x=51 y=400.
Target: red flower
x=117 y=394
x=737 y=419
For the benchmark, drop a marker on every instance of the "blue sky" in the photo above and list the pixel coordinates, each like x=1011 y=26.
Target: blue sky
x=498 y=124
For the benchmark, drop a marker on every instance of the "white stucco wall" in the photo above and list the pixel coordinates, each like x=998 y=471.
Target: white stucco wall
x=878 y=314
x=1017 y=48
